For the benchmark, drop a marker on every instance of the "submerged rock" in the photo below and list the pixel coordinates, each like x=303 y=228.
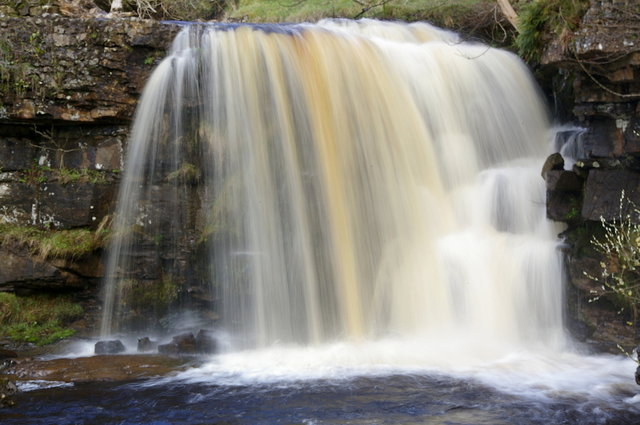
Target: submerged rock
x=109 y=347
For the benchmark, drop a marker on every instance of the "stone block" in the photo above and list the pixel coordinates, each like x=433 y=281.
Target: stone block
x=603 y=190
x=563 y=206
x=632 y=136
x=19 y=269
x=16 y=154
x=75 y=204
x=601 y=136
x=563 y=181
x=18 y=204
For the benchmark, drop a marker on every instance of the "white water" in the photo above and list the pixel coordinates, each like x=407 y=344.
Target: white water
x=372 y=202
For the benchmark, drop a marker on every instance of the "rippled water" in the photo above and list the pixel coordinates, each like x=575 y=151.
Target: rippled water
x=392 y=399
x=382 y=383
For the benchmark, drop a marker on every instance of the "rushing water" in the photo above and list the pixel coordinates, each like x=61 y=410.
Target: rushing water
x=364 y=200
x=350 y=180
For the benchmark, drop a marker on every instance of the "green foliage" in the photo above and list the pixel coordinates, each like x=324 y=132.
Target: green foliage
x=573 y=213
x=620 y=269
x=540 y=20
x=19 y=66
x=441 y=12
x=73 y=175
x=38 y=319
x=72 y=244
x=38 y=174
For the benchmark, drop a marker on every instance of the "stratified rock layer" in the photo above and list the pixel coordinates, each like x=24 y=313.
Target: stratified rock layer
x=68 y=92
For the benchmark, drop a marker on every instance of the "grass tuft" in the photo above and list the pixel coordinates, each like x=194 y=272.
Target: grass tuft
x=65 y=244
x=37 y=319
x=541 y=20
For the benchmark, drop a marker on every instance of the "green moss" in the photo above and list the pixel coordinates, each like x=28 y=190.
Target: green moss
x=73 y=243
x=73 y=175
x=540 y=20
x=187 y=173
x=142 y=297
x=37 y=319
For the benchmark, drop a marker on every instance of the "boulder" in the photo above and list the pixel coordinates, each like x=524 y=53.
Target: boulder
x=563 y=181
x=553 y=162
x=563 y=206
x=145 y=344
x=180 y=344
x=206 y=342
x=109 y=347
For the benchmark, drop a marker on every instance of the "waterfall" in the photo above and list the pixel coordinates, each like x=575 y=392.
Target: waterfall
x=343 y=181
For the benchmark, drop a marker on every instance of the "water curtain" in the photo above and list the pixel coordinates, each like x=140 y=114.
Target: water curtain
x=347 y=180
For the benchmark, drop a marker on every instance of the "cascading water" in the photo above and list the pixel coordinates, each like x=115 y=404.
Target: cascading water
x=341 y=181
x=347 y=200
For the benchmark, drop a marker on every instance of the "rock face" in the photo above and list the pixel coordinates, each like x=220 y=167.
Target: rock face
x=599 y=65
x=68 y=91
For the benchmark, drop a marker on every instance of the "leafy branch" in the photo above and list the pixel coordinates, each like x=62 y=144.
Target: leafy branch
x=620 y=245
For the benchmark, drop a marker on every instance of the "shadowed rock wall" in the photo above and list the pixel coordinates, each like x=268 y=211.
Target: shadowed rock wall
x=598 y=77
x=68 y=91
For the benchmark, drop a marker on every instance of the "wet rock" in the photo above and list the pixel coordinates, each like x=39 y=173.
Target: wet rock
x=109 y=347
x=21 y=270
x=563 y=206
x=180 y=344
x=632 y=136
x=603 y=190
x=24 y=269
x=638 y=375
x=145 y=344
x=7 y=389
x=553 y=162
x=7 y=354
x=206 y=342
x=99 y=368
x=75 y=204
x=602 y=137
x=16 y=153
x=563 y=181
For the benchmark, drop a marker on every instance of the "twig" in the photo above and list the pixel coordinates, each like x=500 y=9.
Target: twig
x=602 y=86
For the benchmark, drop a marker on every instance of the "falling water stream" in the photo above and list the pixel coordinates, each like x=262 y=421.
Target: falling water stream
x=353 y=180
x=365 y=204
